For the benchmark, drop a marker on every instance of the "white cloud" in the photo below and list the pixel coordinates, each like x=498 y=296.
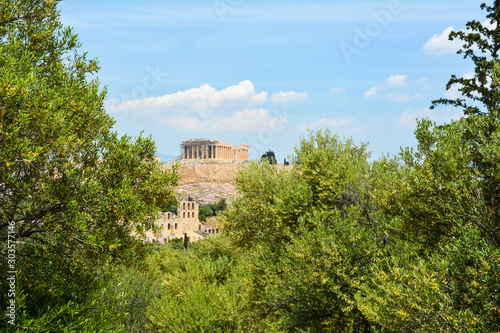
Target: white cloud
x=284 y=97
x=371 y=92
x=469 y=75
x=488 y=24
x=338 y=90
x=235 y=108
x=200 y=101
x=186 y=122
x=453 y=92
x=403 y=97
x=422 y=79
x=440 y=116
x=248 y=120
x=440 y=44
x=396 y=80
x=324 y=122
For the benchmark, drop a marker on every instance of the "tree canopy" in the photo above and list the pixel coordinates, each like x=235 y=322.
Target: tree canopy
x=480 y=104
x=269 y=157
x=74 y=190
x=334 y=243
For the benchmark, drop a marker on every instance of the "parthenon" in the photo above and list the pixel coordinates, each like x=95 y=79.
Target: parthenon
x=205 y=149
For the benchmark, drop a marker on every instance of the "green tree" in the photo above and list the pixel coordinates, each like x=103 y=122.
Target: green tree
x=335 y=170
x=311 y=283
x=328 y=173
x=270 y=204
x=219 y=206
x=202 y=217
x=455 y=289
x=269 y=157
x=427 y=190
x=206 y=210
x=202 y=289
x=74 y=190
x=439 y=206
x=481 y=44
x=169 y=207
x=311 y=232
x=480 y=103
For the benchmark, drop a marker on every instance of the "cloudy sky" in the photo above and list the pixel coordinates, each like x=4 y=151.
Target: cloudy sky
x=263 y=72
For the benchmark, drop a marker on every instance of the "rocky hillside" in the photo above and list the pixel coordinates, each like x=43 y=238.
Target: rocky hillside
x=208 y=182
x=205 y=192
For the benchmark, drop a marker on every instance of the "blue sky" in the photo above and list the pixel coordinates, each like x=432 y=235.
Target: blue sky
x=262 y=72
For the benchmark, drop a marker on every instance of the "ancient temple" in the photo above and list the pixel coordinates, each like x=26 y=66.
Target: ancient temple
x=213 y=150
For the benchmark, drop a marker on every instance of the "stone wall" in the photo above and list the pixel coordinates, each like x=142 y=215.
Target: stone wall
x=218 y=172
x=195 y=172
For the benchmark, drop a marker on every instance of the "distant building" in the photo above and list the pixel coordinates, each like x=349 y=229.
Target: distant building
x=213 y=150
x=185 y=222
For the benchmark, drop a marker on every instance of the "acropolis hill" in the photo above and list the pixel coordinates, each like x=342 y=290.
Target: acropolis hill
x=206 y=160
x=208 y=168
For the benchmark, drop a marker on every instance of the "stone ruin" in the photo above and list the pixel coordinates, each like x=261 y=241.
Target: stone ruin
x=212 y=150
x=186 y=221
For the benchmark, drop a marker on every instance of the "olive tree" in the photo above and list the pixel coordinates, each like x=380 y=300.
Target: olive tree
x=72 y=191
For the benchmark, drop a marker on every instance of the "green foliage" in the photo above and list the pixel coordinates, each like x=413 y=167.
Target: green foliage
x=202 y=217
x=450 y=177
x=438 y=204
x=328 y=173
x=74 y=189
x=206 y=210
x=202 y=289
x=309 y=286
x=310 y=232
x=209 y=210
x=480 y=103
x=169 y=207
x=481 y=43
x=176 y=241
x=336 y=171
x=269 y=207
x=455 y=289
x=429 y=190
x=219 y=206
x=269 y=157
